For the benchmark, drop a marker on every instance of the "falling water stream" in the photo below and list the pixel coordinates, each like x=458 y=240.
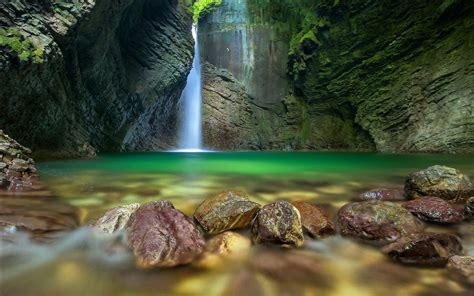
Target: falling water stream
x=190 y=133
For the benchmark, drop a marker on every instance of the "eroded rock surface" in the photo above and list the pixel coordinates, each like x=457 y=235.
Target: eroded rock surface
x=114 y=219
x=434 y=209
x=226 y=210
x=278 y=222
x=441 y=181
x=462 y=268
x=162 y=236
x=377 y=221
x=314 y=220
x=383 y=194
x=425 y=249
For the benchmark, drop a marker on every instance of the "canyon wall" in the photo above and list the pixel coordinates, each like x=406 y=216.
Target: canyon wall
x=95 y=75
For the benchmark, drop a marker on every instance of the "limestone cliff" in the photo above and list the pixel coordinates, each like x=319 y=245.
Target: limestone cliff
x=78 y=75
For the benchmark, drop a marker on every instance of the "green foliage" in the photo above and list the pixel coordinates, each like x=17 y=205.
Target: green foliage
x=202 y=7
x=20 y=46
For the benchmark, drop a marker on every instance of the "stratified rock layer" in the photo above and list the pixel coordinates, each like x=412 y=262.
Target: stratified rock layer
x=314 y=220
x=441 y=181
x=114 y=219
x=162 y=236
x=278 y=222
x=377 y=221
x=434 y=209
x=226 y=210
x=425 y=249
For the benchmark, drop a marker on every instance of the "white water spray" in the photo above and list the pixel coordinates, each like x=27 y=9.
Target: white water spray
x=190 y=133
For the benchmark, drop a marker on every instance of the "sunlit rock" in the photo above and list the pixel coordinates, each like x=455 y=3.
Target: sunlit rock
x=440 y=181
x=115 y=219
x=462 y=268
x=424 y=249
x=314 y=220
x=278 y=222
x=434 y=209
x=162 y=236
x=377 y=221
x=226 y=210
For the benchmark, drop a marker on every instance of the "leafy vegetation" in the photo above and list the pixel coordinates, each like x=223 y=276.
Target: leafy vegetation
x=20 y=46
x=202 y=7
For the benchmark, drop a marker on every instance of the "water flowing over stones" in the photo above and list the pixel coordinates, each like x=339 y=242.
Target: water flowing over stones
x=425 y=249
x=278 y=222
x=162 y=236
x=115 y=219
x=462 y=268
x=383 y=194
x=226 y=210
x=377 y=221
x=434 y=209
x=314 y=220
x=441 y=181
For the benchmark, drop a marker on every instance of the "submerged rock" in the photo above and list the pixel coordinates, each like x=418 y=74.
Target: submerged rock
x=225 y=211
x=377 y=220
x=162 y=236
x=114 y=219
x=469 y=208
x=434 y=209
x=383 y=194
x=461 y=268
x=424 y=249
x=314 y=220
x=280 y=223
x=440 y=181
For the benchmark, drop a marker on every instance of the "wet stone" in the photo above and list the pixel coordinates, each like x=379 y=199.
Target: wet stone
x=162 y=236
x=280 y=223
x=225 y=211
x=434 y=209
x=377 y=221
x=114 y=219
x=441 y=181
x=383 y=194
x=433 y=249
x=314 y=220
x=461 y=268
x=469 y=208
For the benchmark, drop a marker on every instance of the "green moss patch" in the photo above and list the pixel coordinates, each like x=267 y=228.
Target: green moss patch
x=20 y=46
x=203 y=7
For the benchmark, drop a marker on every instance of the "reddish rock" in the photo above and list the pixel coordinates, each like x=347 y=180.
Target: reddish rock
x=424 y=249
x=377 y=221
x=280 y=223
x=161 y=236
x=440 y=181
x=383 y=194
x=227 y=210
x=114 y=219
x=434 y=209
x=314 y=220
x=461 y=268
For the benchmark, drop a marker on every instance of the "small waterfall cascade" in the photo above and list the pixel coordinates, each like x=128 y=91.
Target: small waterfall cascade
x=190 y=132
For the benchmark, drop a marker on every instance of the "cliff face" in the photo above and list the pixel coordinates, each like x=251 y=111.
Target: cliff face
x=83 y=75
x=394 y=76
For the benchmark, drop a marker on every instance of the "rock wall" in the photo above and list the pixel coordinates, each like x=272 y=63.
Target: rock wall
x=95 y=74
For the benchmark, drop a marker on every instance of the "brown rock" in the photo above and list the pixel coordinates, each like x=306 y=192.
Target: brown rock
x=114 y=219
x=424 y=249
x=278 y=222
x=434 y=209
x=469 y=208
x=227 y=210
x=314 y=219
x=383 y=194
x=440 y=181
x=377 y=221
x=162 y=236
x=461 y=268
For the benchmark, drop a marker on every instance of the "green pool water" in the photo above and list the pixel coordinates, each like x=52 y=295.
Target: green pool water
x=333 y=266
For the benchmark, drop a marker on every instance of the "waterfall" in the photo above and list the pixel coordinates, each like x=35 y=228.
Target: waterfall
x=190 y=132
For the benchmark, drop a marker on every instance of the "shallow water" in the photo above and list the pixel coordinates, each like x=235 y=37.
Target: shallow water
x=333 y=266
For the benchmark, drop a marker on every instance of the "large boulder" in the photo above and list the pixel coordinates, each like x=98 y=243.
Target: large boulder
x=377 y=221
x=424 y=249
x=314 y=220
x=225 y=211
x=434 y=209
x=440 y=181
x=162 y=236
x=115 y=219
x=461 y=268
x=280 y=223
